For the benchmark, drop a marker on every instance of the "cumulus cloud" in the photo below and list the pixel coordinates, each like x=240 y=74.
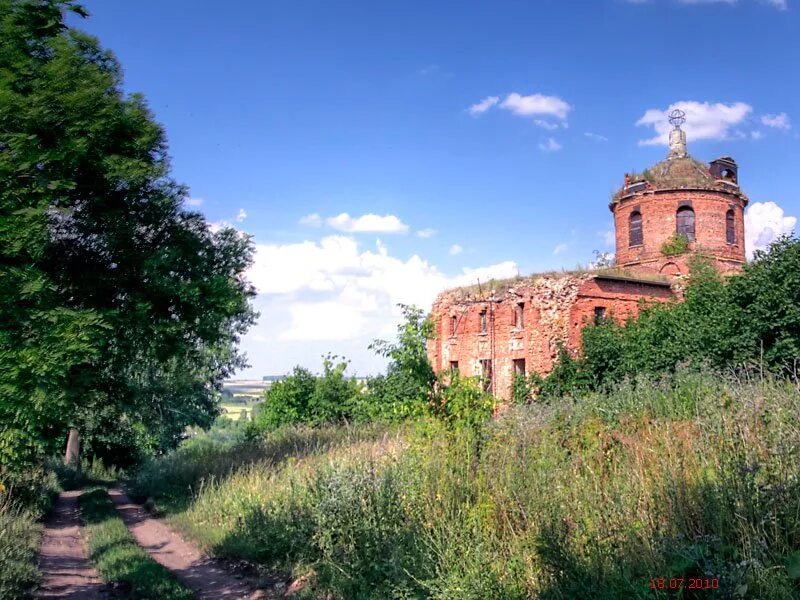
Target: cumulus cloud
x=704 y=120
x=367 y=224
x=334 y=290
x=779 y=121
x=548 y=112
x=312 y=220
x=550 y=145
x=536 y=104
x=241 y=215
x=426 y=233
x=765 y=222
x=595 y=137
x=484 y=105
x=193 y=202
x=455 y=250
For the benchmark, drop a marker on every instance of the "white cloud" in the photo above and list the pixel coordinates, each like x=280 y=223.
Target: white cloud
x=756 y=135
x=312 y=220
x=560 y=249
x=550 y=145
x=241 y=215
x=193 y=202
x=608 y=236
x=426 y=233
x=333 y=290
x=484 y=105
x=217 y=226
x=704 y=121
x=455 y=250
x=536 y=105
x=779 y=4
x=779 y=121
x=707 y=1
x=367 y=224
x=595 y=137
x=765 y=222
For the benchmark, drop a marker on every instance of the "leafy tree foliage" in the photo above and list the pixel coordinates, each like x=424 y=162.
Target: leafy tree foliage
x=119 y=310
x=303 y=397
x=408 y=386
x=748 y=320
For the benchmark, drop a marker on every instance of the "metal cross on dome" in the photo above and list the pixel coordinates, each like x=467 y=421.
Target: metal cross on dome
x=677 y=117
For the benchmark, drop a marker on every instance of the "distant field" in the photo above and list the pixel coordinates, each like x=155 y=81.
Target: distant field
x=243 y=387
x=242 y=395
x=237 y=411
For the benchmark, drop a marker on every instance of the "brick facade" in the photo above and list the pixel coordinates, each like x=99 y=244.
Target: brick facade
x=519 y=325
x=658 y=210
x=522 y=326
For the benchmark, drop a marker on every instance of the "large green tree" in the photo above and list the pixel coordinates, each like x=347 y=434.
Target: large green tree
x=119 y=310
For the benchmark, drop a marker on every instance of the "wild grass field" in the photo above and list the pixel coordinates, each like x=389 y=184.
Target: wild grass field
x=684 y=479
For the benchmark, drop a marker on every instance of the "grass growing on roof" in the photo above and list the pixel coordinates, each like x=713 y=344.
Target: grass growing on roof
x=118 y=557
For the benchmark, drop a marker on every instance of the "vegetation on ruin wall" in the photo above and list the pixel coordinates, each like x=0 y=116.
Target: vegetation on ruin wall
x=749 y=321
x=682 y=476
x=676 y=245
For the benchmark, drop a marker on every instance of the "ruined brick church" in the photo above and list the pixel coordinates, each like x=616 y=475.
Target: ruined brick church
x=516 y=326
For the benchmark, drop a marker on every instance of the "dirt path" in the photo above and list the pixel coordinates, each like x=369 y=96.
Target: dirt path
x=189 y=565
x=66 y=572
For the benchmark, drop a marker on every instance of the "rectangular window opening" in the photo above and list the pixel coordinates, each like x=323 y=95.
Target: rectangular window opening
x=486 y=375
x=484 y=322
x=519 y=312
x=453 y=325
x=599 y=314
x=454 y=366
x=519 y=366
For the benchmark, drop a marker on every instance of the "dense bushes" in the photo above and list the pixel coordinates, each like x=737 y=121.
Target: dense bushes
x=408 y=389
x=691 y=475
x=746 y=321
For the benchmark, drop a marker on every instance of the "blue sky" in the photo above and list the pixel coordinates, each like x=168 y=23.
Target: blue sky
x=483 y=138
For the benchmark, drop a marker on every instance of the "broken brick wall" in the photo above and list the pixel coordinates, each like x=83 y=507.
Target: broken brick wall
x=554 y=311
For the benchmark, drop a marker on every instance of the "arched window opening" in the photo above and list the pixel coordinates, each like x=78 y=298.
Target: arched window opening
x=730 y=227
x=635 y=237
x=685 y=222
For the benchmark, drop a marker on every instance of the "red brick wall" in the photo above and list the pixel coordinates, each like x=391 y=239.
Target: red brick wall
x=555 y=310
x=659 y=208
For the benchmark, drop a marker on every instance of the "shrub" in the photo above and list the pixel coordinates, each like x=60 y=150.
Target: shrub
x=676 y=245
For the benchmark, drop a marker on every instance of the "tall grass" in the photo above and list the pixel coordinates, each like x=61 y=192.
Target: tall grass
x=694 y=476
x=24 y=499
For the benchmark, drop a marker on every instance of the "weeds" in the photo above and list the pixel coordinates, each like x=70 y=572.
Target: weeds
x=694 y=475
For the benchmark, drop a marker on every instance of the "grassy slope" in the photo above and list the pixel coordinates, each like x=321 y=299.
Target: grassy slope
x=696 y=478
x=118 y=558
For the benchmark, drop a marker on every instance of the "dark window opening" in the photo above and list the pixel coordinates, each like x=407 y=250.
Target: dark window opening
x=519 y=366
x=453 y=325
x=599 y=314
x=519 y=322
x=730 y=227
x=486 y=375
x=484 y=322
x=685 y=222
x=729 y=175
x=454 y=366
x=635 y=236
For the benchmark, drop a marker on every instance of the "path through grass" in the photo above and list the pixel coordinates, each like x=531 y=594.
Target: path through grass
x=118 y=558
